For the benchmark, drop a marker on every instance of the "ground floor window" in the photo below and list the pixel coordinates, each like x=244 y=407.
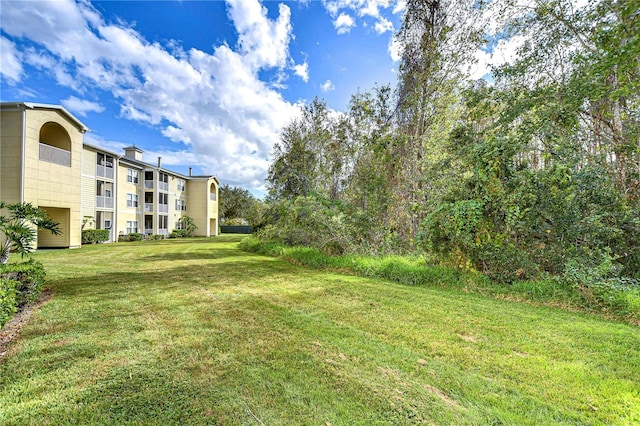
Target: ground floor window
x=132 y=226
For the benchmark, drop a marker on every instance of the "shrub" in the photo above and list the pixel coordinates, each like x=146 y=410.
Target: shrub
x=92 y=236
x=30 y=276
x=236 y=221
x=179 y=233
x=133 y=236
x=7 y=299
x=154 y=237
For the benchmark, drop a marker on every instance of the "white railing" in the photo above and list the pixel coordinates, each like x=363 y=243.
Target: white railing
x=148 y=184
x=163 y=208
x=148 y=207
x=148 y=231
x=104 y=171
x=164 y=232
x=54 y=155
x=212 y=196
x=164 y=186
x=104 y=202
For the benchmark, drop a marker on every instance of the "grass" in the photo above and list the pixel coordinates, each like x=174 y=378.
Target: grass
x=197 y=331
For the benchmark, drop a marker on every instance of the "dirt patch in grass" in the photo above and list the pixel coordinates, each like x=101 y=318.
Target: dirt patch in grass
x=11 y=330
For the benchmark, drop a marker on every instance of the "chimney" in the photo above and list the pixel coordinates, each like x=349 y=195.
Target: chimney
x=159 y=162
x=190 y=171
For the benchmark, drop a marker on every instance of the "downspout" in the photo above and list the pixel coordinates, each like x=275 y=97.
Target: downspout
x=23 y=143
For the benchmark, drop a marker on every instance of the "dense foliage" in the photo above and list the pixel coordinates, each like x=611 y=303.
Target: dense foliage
x=238 y=206
x=20 y=285
x=534 y=172
x=93 y=236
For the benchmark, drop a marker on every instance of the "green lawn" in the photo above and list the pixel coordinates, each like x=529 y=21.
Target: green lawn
x=198 y=332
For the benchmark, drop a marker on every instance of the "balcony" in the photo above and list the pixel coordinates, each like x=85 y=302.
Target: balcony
x=212 y=196
x=148 y=231
x=163 y=186
x=54 y=155
x=164 y=232
x=148 y=184
x=148 y=207
x=104 y=202
x=104 y=171
x=163 y=208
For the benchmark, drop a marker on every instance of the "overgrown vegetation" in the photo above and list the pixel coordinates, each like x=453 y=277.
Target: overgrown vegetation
x=197 y=331
x=186 y=229
x=532 y=178
x=595 y=291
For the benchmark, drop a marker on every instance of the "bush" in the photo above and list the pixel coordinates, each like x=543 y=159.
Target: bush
x=92 y=236
x=236 y=221
x=154 y=237
x=133 y=236
x=30 y=275
x=7 y=300
x=179 y=233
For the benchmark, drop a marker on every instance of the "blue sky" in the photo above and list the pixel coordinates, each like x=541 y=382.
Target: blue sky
x=203 y=84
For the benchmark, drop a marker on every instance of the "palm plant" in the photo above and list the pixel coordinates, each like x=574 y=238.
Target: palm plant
x=18 y=230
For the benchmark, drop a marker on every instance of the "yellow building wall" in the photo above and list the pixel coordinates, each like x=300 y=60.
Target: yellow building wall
x=88 y=185
x=122 y=188
x=201 y=207
x=52 y=185
x=10 y=156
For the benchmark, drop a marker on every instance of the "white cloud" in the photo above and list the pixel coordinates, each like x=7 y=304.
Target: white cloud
x=11 y=60
x=343 y=23
x=383 y=25
x=214 y=102
x=327 y=86
x=302 y=71
x=80 y=106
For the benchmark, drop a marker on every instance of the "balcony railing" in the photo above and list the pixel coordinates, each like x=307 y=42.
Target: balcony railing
x=148 y=207
x=104 y=171
x=148 y=231
x=163 y=186
x=148 y=184
x=163 y=208
x=212 y=196
x=104 y=202
x=164 y=232
x=54 y=155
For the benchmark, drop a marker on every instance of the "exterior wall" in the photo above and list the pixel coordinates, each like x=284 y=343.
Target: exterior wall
x=201 y=207
x=125 y=213
x=89 y=186
x=53 y=185
x=10 y=156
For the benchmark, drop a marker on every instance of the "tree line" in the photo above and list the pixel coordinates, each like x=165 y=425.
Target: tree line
x=534 y=170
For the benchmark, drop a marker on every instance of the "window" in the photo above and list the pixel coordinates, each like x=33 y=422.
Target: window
x=132 y=226
x=132 y=200
x=163 y=222
x=181 y=205
x=180 y=185
x=107 y=224
x=163 y=198
x=132 y=176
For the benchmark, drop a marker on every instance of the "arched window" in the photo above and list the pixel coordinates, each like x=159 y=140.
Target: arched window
x=213 y=190
x=55 y=144
x=55 y=135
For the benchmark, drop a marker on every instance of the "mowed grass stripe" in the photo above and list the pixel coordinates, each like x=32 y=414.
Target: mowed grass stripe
x=196 y=331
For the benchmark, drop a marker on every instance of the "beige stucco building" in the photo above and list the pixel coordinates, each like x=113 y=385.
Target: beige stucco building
x=44 y=161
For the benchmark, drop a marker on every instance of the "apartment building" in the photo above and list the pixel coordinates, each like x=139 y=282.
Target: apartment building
x=44 y=161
